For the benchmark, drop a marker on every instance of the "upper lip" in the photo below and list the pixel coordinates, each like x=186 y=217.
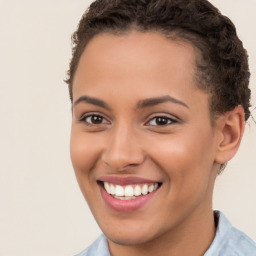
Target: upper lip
x=120 y=180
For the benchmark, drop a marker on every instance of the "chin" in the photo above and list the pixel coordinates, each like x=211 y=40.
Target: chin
x=131 y=234
x=129 y=239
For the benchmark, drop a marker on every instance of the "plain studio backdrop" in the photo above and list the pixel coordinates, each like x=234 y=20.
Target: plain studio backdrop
x=42 y=212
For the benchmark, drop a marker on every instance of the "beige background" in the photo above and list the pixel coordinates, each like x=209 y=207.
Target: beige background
x=41 y=209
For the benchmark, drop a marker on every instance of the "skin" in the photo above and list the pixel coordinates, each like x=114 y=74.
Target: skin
x=184 y=153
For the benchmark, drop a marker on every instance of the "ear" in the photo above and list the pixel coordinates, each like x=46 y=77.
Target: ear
x=230 y=129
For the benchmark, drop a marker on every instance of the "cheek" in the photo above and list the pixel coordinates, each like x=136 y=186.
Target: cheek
x=176 y=152
x=186 y=159
x=84 y=152
x=187 y=171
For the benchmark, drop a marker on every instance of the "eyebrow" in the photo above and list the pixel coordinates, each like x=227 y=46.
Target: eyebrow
x=158 y=100
x=141 y=104
x=93 y=101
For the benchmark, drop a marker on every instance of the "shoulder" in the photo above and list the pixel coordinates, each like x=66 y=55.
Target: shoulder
x=230 y=241
x=239 y=243
x=98 y=247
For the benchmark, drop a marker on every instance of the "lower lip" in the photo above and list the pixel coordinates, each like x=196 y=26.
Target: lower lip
x=126 y=205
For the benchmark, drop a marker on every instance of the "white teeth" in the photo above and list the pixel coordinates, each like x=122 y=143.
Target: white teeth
x=125 y=197
x=151 y=188
x=107 y=187
x=144 y=190
x=112 y=189
x=129 y=192
x=137 y=190
x=119 y=191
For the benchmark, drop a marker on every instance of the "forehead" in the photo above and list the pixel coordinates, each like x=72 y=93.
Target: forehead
x=142 y=54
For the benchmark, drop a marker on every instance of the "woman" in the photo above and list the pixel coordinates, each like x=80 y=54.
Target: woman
x=160 y=96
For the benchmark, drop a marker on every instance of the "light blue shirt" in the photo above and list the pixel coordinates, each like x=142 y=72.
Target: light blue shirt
x=228 y=241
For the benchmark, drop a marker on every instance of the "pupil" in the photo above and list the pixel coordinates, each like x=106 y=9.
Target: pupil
x=96 y=119
x=161 y=121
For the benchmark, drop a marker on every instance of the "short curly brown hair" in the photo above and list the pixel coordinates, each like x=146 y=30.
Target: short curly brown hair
x=222 y=68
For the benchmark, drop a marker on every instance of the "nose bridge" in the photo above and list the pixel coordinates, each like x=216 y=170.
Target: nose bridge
x=123 y=148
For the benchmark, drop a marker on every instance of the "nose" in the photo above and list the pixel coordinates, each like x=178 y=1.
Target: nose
x=123 y=149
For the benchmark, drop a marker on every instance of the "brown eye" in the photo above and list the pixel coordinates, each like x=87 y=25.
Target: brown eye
x=94 y=120
x=161 y=121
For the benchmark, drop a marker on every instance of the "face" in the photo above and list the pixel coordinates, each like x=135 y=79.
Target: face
x=142 y=142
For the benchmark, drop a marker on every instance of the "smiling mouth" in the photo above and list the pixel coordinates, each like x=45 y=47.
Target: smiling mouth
x=129 y=192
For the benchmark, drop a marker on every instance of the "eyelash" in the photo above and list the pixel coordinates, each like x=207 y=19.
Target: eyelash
x=161 y=118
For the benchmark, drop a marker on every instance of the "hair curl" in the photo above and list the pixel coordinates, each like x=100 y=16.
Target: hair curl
x=222 y=68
